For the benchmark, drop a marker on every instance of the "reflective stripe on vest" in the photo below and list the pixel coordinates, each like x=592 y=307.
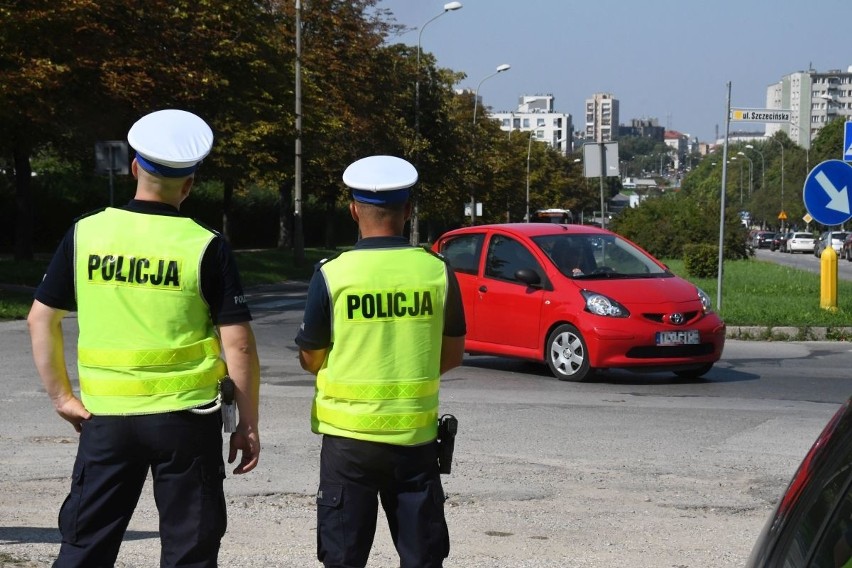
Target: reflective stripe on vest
x=150 y=386
x=147 y=343
x=377 y=423
x=382 y=391
x=148 y=357
x=384 y=301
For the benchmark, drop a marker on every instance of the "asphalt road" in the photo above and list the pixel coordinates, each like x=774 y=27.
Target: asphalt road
x=804 y=261
x=644 y=470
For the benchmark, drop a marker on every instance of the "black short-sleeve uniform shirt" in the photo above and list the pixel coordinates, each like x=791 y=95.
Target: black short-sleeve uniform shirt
x=220 y=281
x=315 y=332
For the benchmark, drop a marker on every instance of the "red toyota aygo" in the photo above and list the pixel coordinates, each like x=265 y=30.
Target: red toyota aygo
x=580 y=299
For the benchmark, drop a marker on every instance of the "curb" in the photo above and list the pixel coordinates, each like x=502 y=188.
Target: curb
x=784 y=333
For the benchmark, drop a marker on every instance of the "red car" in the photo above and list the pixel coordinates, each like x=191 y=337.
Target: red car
x=579 y=299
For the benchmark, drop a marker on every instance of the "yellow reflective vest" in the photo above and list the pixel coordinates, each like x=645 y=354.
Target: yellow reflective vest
x=380 y=379
x=147 y=343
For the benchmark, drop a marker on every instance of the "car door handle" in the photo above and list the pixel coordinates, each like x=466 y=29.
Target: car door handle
x=483 y=288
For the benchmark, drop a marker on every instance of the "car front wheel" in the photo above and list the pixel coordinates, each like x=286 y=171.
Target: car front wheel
x=567 y=354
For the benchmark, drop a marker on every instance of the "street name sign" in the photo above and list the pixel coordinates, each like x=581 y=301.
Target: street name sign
x=826 y=192
x=760 y=115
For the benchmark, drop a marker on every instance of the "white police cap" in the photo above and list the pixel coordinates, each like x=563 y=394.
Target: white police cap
x=380 y=180
x=171 y=142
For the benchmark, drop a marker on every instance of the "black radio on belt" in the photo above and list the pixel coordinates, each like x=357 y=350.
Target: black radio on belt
x=227 y=391
x=447 y=428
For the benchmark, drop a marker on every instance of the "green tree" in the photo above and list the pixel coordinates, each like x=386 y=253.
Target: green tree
x=109 y=62
x=663 y=225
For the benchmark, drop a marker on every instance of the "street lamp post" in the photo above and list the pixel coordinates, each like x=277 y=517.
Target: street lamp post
x=782 y=177
x=529 y=150
x=741 y=179
x=762 y=165
x=750 y=171
x=298 y=225
x=500 y=69
x=415 y=228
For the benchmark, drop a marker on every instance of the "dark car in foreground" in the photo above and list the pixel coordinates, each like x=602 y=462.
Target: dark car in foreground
x=578 y=298
x=812 y=523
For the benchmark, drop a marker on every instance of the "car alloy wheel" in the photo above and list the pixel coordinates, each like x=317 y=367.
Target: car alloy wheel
x=567 y=354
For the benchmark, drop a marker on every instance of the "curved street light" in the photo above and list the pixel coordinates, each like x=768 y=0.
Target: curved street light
x=782 y=176
x=762 y=165
x=500 y=69
x=415 y=228
x=529 y=150
x=733 y=158
x=750 y=172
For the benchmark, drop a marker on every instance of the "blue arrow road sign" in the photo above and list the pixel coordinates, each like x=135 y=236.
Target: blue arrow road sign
x=847 y=141
x=826 y=192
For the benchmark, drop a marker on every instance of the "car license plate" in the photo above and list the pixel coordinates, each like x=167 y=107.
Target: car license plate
x=686 y=337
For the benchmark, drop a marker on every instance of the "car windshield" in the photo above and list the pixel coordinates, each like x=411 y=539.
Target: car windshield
x=598 y=256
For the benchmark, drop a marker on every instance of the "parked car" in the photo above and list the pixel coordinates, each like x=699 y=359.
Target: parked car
x=846 y=249
x=763 y=239
x=779 y=241
x=800 y=242
x=830 y=238
x=812 y=523
x=578 y=298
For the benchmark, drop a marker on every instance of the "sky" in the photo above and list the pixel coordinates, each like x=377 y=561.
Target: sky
x=664 y=59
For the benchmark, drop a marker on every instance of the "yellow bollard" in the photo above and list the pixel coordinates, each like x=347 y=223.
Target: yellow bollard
x=828 y=279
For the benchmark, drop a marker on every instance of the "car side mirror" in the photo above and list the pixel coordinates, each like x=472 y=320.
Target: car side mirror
x=528 y=277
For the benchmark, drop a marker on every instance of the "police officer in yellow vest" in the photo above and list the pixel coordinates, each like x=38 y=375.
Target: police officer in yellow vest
x=158 y=299
x=382 y=323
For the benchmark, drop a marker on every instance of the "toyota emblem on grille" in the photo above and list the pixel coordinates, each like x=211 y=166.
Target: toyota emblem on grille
x=676 y=318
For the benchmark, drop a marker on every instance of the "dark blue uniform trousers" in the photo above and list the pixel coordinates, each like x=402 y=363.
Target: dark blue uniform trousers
x=406 y=478
x=183 y=451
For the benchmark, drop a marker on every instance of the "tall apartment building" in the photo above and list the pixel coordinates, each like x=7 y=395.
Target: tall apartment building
x=535 y=115
x=813 y=98
x=601 y=118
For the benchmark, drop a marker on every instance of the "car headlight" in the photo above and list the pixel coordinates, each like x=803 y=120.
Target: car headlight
x=601 y=305
x=705 y=299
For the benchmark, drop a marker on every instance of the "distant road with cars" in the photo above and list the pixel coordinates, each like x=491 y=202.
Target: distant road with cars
x=804 y=261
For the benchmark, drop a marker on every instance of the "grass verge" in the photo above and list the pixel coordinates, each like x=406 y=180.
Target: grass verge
x=762 y=293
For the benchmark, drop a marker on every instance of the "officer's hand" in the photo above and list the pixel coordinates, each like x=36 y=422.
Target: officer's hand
x=248 y=442
x=72 y=410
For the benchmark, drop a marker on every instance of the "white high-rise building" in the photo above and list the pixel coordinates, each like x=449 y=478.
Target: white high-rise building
x=601 y=118
x=813 y=98
x=535 y=115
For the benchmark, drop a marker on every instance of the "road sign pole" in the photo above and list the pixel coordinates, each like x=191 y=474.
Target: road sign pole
x=722 y=202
